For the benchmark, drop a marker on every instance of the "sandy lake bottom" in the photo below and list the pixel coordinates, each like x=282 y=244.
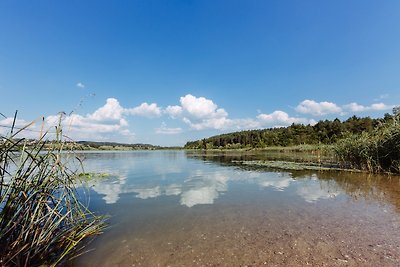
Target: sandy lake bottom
x=168 y=208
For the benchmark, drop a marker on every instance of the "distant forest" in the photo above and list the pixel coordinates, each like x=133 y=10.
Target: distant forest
x=112 y=145
x=324 y=132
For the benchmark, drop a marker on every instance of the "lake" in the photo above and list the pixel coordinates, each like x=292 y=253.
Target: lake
x=178 y=208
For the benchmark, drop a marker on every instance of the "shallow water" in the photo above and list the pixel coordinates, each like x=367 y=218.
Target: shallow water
x=173 y=208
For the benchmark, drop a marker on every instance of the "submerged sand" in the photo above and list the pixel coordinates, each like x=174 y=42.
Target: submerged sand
x=210 y=213
x=250 y=235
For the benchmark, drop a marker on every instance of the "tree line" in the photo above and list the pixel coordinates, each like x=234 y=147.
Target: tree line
x=324 y=132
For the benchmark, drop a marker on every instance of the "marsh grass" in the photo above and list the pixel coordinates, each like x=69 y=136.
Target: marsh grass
x=377 y=151
x=43 y=220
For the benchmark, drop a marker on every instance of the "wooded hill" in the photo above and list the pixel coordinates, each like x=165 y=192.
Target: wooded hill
x=324 y=132
x=112 y=145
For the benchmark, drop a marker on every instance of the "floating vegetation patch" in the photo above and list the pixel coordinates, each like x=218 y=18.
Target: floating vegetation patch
x=90 y=176
x=295 y=166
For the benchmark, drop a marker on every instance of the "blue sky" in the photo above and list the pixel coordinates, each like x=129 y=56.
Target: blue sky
x=165 y=72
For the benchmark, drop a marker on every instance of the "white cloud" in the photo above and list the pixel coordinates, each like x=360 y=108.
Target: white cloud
x=326 y=108
x=105 y=122
x=202 y=113
x=165 y=130
x=108 y=122
x=240 y=124
x=111 y=111
x=212 y=123
x=280 y=118
x=87 y=124
x=8 y=122
x=380 y=106
x=146 y=110
x=174 y=111
x=318 y=108
x=80 y=85
x=32 y=131
x=201 y=108
x=354 y=107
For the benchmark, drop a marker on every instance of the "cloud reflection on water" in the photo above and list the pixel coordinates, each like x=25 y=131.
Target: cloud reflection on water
x=194 y=185
x=311 y=192
x=205 y=187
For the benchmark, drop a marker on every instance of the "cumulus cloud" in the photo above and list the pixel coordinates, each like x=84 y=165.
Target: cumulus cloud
x=199 y=113
x=80 y=85
x=242 y=124
x=212 y=123
x=318 y=108
x=174 y=111
x=146 y=110
x=87 y=124
x=201 y=108
x=8 y=122
x=380 y=106
x=32 y=131
x=354 y=107
x=111 y=111
x=280 y=118
x=325 y=108
x=106 y=121
x=202 y=113
x=96 y=126
x=165 y=130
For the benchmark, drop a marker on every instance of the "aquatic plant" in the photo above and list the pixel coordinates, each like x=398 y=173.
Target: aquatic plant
x=43 y=220
x=376 y=151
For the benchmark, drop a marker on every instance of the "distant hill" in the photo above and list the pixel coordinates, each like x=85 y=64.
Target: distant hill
x=114 y=145
x=92 y=145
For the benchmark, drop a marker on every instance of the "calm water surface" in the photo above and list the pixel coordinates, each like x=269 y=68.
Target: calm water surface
x=174 y=208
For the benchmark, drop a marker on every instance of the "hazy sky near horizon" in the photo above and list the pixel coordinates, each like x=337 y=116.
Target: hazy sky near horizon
x=165 y=72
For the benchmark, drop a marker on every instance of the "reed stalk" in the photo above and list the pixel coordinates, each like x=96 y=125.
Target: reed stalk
x=43 y=219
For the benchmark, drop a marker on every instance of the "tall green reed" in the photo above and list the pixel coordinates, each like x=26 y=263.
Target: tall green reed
x=43 y=220
x=377 y=151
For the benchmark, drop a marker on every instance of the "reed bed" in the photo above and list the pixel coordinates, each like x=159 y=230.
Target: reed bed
x=377 y=151
x=43 y=221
